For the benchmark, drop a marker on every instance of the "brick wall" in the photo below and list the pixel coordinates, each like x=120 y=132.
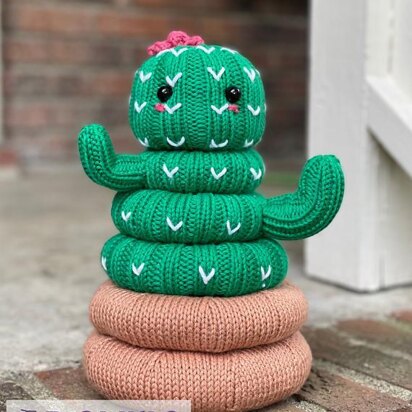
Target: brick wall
x=67 y=63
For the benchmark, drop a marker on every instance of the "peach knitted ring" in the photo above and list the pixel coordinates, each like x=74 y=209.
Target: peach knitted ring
x=198 y=323
x=240 y=380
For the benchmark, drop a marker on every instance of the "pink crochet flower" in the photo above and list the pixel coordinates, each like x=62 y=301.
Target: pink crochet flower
x=175 y=38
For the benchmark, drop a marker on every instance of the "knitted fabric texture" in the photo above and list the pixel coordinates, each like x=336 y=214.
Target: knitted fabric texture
x=239 y=380
x=199 y=110
x=161 y=216
x=198 y=324
x=223 y=269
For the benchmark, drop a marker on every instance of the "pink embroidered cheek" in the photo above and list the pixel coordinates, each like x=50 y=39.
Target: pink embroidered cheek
x=233 y=108
x=160 y=107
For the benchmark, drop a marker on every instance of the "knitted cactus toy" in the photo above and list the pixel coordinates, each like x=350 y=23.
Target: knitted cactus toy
x=196 y=307
x=190 y=222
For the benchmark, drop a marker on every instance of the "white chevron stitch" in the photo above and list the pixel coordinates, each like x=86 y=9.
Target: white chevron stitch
x=174 y=227
x=221 y=110
x=126 y=216
x=144 y=142
x=248 y=143
x=256 y=174
x=144 y=77
x=217 y=76
x=255 y=112
x=177 y=53
x=214 y=145
x=251 y=73
x=206 y=277
x=103 y=262
x=172 y=82
x=171 y=110
x=217 y=176
x=231 y=231
x=170 y=173
x=138 y=107
x=175 y=144
x=137 y=271
x=265 y=273
x=205 y=49
x=228 y=50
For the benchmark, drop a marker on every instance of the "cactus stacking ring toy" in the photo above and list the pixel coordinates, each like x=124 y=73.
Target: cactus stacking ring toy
x=196 y=294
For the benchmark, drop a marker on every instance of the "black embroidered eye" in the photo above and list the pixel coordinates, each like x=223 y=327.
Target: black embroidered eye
x=164 y=93
x=233 y=94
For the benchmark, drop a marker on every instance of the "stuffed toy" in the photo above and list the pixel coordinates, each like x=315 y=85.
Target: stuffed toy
x=197 y=307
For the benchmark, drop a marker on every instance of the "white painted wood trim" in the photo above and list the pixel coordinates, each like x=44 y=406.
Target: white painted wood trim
x=359 y=114
x=390 y=119
x=1 y=74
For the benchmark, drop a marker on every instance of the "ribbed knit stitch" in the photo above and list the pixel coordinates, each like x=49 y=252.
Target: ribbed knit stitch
x=198 y=324
x=238 y=380
x=224 y=269
x=161 y=216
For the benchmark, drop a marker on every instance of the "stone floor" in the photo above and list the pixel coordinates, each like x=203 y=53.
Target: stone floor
x=52 y=225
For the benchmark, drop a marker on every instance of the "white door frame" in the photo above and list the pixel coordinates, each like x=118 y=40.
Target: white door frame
x=358 y=111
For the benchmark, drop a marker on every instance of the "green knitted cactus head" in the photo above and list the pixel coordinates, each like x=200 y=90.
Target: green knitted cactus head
x=196 y=97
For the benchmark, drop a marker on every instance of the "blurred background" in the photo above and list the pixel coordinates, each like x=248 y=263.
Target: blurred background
x=70 y=63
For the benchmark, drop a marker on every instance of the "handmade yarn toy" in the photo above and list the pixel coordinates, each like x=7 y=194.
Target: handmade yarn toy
x=190 y=221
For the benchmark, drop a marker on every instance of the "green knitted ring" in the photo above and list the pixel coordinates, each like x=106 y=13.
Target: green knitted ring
x=161 y=216
x=193 y=172
x=225 y=269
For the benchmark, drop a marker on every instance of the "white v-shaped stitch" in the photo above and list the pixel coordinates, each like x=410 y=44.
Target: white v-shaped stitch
x=206 y=50
x=231 y=231
x=171 y=110
x=256 y=174
x=174 y=227
x=137 y=271
x=251 y=73
x=170 y=173
x=255 y=112
x=175 y=144
x=217 y=176
x=172 y=82
x=206 y=278
x=126 y=216
x=248 y=143
x=228 y=50
x=144 y=77
x=215 y=75
x=265 y=274
x=214 y=145
x=138 y=107
x=144 y=142
x=221 y=110
x=177 y=53
x=103 y=262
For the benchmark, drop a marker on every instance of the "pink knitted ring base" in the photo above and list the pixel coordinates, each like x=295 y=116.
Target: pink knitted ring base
x=201 y=324
x=233 y=381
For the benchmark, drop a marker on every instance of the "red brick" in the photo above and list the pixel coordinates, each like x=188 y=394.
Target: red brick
x=37 y=82
x=328 y=345
x=9 y=390
x=54 y=51
x=403 y=316
x=64 y=112
x=133 y=25
x=68 y=383
x=40 y=18
x=339 y=394
x=384 y=333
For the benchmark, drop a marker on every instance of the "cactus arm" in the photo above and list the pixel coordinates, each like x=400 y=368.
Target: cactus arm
x=115 y=171
x=312 y=207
